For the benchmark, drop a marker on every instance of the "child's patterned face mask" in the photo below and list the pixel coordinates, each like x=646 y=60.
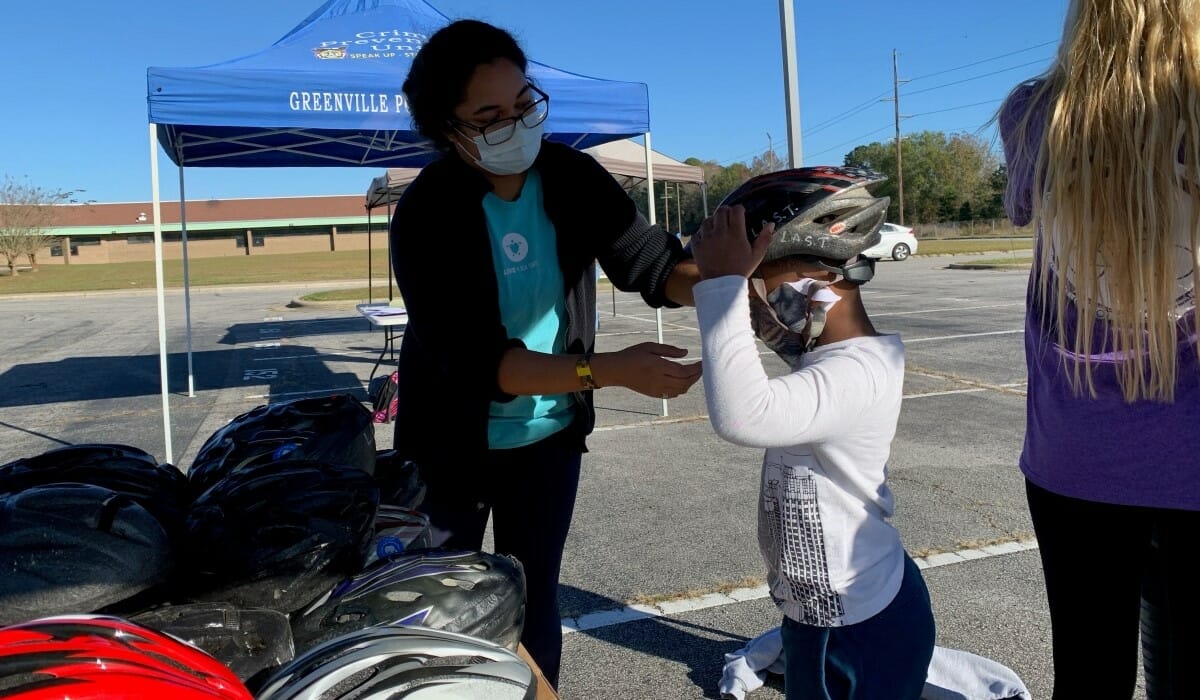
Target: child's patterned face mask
x=790 y=319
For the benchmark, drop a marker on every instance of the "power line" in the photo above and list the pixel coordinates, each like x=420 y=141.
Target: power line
x=985 y=60
x=975 y=77
x=951 y=109
x=863 y=106
x=853 y=110
x=856 y=139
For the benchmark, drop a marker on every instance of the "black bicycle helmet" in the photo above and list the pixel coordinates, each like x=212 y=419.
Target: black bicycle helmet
x=475 y=593
x=159 y=488
x=278 y=535
x=399 y=480
x=75 y=548
x=392 y=661
x=824 y=214
x=251 y=642
x=336 y=429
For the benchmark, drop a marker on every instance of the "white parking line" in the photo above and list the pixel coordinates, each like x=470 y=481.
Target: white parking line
x=947 y=308
x=318 y=354
x=339 y=390
x=950 y=392
x=908 y=341
x=632 y=613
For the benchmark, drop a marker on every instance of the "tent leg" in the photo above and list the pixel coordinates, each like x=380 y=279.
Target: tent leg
x=653 y=220
x=388 y=232
x=370 y=262
x=169 y=456
x=187 y=289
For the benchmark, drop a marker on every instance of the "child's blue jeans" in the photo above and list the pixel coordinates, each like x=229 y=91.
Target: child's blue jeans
x=885 y=657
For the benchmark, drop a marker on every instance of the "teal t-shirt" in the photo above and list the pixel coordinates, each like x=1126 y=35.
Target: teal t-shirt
x=532 y=308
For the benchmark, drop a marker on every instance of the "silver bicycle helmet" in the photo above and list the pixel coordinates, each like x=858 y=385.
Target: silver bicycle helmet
x=390 y=662
x=824 y=214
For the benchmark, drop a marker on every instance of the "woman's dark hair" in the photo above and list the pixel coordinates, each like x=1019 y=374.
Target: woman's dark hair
x=440 y=72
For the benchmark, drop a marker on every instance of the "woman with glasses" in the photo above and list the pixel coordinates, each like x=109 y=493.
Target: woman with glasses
x=494 y=246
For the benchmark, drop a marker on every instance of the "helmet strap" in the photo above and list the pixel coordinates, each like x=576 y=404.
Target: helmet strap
x=857 y=271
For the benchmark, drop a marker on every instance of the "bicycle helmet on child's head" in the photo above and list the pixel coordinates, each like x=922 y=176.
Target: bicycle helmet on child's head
x=823 y=214
x=394 y=661
x=92 y=657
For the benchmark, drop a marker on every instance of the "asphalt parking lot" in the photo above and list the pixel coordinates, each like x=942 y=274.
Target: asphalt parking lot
x=662 y=575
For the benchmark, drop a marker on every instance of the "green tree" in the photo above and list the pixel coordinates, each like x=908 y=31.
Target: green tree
x=993 y=206
x=719 y=182
x=941 y=173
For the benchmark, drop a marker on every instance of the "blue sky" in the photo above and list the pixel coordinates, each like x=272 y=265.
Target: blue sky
x=74 y=116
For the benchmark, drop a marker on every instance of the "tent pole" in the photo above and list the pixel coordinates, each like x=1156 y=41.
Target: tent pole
x=653 y=220
x=389 y=250
x=162 y=306
x=370 y=264
x=187 y=289
x=704 y=197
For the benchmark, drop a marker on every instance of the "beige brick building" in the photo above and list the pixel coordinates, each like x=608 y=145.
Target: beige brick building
x=123 y=232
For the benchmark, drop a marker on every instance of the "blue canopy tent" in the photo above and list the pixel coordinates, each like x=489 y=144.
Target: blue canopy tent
x=328 y=94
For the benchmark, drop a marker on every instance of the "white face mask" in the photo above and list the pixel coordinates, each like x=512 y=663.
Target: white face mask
x=516 y=155
x=790 y=319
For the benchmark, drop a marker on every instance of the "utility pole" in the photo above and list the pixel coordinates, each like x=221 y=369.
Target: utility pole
x=666 y=198
x=678 y=208
x=899 y=161
x=787 y=29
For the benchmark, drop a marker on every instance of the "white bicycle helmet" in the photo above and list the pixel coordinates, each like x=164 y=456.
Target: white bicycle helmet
x=390 y=662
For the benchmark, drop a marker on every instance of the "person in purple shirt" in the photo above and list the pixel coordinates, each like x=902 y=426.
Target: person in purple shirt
x=1103 y=154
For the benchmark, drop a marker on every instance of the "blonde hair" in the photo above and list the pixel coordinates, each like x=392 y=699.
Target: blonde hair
x=1116 y=169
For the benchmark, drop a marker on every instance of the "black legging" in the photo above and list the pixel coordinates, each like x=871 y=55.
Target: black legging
x=530 y=492
x=1095 y=558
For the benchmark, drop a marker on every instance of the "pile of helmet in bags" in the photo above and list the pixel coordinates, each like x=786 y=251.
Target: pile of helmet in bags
x=289 y=562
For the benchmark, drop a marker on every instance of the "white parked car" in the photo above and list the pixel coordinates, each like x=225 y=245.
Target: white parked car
x=896 y=242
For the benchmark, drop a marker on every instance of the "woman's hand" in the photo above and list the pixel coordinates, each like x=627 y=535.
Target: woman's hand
x=644 y=368
x=721 y=246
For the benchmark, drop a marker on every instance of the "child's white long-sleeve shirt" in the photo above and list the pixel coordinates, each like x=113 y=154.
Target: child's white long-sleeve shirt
x=832 y=554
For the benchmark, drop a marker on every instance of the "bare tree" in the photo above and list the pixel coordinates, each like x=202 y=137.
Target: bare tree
x=26 y=212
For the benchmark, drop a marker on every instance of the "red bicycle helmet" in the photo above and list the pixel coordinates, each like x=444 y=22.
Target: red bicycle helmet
x=95 y=657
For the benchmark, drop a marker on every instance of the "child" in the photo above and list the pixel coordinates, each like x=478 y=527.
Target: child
x=857 y=619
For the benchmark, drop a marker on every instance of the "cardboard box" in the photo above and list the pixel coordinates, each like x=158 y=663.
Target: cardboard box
x=544 y=691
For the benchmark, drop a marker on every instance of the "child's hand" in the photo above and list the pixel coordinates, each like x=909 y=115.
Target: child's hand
x=721 y=246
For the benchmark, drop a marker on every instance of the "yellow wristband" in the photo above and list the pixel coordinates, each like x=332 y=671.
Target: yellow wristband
x=583 y=369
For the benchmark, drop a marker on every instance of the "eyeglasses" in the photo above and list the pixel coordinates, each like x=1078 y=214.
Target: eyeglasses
x=497 y=132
